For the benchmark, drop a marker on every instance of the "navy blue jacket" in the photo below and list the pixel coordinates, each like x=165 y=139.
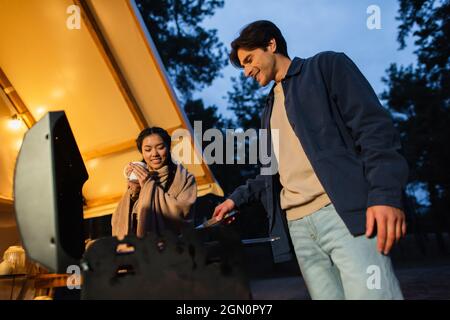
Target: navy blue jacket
x=348 y=137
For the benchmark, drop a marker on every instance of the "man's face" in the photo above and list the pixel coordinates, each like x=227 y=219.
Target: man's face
x=258 y=64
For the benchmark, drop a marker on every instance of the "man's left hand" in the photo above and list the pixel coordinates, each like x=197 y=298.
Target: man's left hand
x=390 y=224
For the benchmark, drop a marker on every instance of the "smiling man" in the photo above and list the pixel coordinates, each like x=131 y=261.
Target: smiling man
x=340 y=177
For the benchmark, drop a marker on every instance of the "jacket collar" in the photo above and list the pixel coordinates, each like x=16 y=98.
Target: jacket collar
x=295 y=67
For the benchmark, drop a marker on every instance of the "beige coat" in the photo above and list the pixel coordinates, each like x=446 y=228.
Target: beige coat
x=174 y=205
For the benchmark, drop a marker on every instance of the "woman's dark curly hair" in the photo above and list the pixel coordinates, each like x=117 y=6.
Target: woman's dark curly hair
x=165 y=136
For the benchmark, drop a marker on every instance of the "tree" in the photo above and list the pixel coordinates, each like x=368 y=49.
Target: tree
x=230 y=176
x=247 y=101
x=192 y=55
x=420 y=94
x=196 y=111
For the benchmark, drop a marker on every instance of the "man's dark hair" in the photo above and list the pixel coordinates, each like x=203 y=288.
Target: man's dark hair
x=257 y=35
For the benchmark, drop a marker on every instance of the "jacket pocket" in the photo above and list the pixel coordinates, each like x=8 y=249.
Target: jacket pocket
x=342 y=175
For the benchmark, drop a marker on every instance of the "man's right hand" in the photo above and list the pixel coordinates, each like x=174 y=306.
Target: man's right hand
x=223 y=208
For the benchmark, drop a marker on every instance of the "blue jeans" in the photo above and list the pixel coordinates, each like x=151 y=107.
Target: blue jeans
x=337 y=265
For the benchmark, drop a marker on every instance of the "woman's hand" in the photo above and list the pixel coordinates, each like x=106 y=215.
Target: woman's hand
x=128 y=169
x=134 y=187
x=142 y=174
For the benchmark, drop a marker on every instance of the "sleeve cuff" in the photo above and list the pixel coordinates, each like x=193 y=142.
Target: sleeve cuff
x=237 y=199
x=383 y=200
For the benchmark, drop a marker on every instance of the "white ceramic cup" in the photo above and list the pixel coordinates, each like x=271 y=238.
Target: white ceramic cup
x=132 y=176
